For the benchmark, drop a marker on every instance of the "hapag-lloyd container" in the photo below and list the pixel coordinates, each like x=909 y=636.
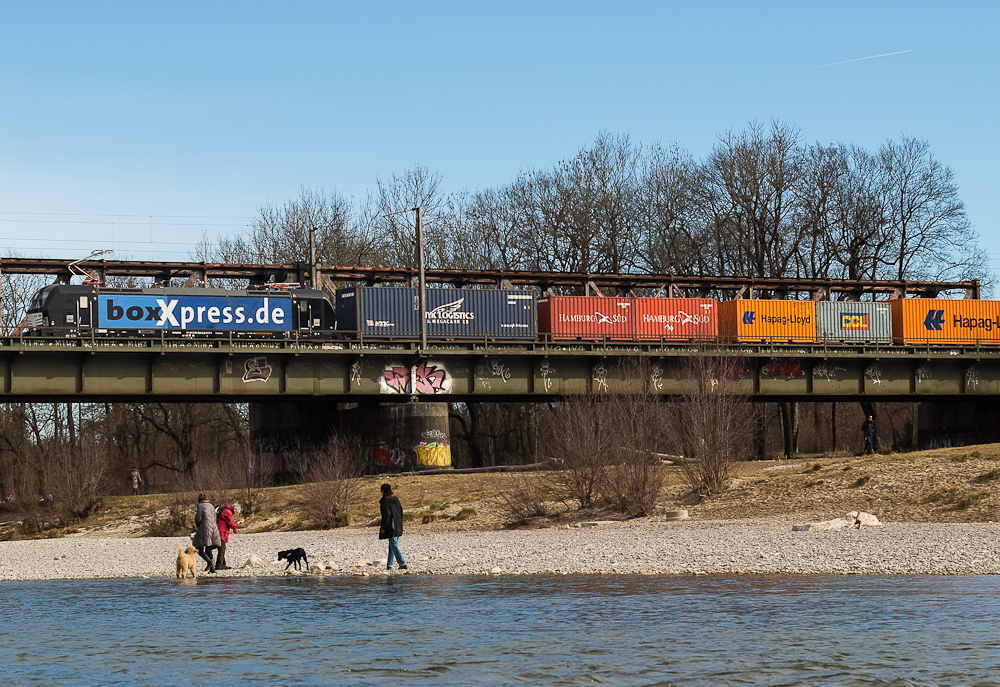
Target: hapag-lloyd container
x=767 y=321
x=586 y=317
x=451 y=313
x=686 y=319
x=945 y=321
x=854 y=321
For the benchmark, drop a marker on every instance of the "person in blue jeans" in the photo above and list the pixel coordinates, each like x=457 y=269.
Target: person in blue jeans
x=391 y=527
x=868 y=430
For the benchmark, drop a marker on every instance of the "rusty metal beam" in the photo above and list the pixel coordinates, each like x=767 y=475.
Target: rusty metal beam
x=259 y=274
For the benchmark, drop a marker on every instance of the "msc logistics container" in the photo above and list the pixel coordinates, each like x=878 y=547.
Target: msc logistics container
x=451 y=313
x=854 y=321
x=586 y=317
x=945 y=321
x=767 y=321
x=687 y=319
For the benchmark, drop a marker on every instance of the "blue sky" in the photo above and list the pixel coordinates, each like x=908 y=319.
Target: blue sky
x=136 y=126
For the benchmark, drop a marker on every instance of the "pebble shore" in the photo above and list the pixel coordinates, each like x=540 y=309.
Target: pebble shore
x=757 y=546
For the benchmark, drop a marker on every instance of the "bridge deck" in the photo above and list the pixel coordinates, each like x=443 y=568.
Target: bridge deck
x=138 y=369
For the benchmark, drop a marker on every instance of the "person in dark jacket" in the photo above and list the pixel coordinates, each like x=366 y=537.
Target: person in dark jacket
x=868 y=430
x=226 y=522
x=207 y=538
x=391 y=527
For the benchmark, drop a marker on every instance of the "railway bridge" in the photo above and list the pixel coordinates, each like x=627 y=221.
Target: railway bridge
x=294 y=386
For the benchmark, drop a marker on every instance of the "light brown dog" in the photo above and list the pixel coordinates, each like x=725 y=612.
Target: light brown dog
x=186 y=560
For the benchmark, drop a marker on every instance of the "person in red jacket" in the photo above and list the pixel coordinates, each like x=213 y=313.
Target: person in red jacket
x=227 y=525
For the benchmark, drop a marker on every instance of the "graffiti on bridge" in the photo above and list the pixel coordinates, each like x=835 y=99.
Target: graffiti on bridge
x=791 y=368
x=730 y=369
x=429 y=377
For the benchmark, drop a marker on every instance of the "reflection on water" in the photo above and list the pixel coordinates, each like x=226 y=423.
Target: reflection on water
x=565 y=630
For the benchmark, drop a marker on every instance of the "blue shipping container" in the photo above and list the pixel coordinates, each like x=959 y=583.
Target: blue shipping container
x=199 y=313
x=454 y=313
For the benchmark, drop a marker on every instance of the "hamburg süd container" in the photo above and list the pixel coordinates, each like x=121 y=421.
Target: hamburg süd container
x=945 y=321
x=686 y=319
x=854 y=321
x=587 y=317
x=451 y=313
x=767 y=321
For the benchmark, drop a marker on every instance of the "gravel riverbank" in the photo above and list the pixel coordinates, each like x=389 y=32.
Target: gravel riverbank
x=758 y=546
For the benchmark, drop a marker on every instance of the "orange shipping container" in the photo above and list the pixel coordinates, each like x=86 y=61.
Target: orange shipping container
x=945 y=321
x=767 y=321
x=586 y=317
x=676 y=318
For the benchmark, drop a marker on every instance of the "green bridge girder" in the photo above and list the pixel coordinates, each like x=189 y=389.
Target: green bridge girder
x=90 y=370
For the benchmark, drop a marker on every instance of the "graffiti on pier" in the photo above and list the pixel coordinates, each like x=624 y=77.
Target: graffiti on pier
x=256 y=370
x=791 y=368
x=386 y=457
x=435 y=454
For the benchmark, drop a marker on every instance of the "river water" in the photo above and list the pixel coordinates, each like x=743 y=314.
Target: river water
x=550 y=630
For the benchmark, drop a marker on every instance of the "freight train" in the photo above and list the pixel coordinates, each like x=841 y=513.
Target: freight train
x=373 y=313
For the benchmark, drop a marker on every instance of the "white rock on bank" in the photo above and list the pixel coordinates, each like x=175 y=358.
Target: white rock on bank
x=852 y=519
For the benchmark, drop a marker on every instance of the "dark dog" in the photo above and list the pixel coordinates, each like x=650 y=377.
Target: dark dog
x=294 y=556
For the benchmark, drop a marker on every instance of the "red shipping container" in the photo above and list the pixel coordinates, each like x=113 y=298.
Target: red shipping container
x=686 y=319
x=586 y=317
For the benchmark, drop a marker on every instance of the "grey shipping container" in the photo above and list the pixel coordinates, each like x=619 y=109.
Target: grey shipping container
x=854 y=321
x=451 y=313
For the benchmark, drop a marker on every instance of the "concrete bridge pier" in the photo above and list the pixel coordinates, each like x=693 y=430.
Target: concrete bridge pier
x=393 y=436
x=405 y=436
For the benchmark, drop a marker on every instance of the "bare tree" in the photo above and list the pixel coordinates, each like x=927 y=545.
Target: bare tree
x=578 y=442
x=395 y=220
x=747 y=193
x=280 y=233
x=333 y=484
x=930 y=234
x=713 y=423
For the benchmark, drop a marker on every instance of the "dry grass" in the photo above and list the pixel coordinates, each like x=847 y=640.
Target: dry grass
x=925 y=486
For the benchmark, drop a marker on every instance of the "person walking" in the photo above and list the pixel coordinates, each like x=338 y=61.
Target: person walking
x=207 y=538
x=868 y=430
x=136 y=481
x=226 y=522
x=391 y=527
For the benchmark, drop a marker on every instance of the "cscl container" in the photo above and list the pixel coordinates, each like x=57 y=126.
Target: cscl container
x=766 y=321
x=854 y=321
x=945 y=321
x=686 y=319
x=451 y=313
x=587 y=317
